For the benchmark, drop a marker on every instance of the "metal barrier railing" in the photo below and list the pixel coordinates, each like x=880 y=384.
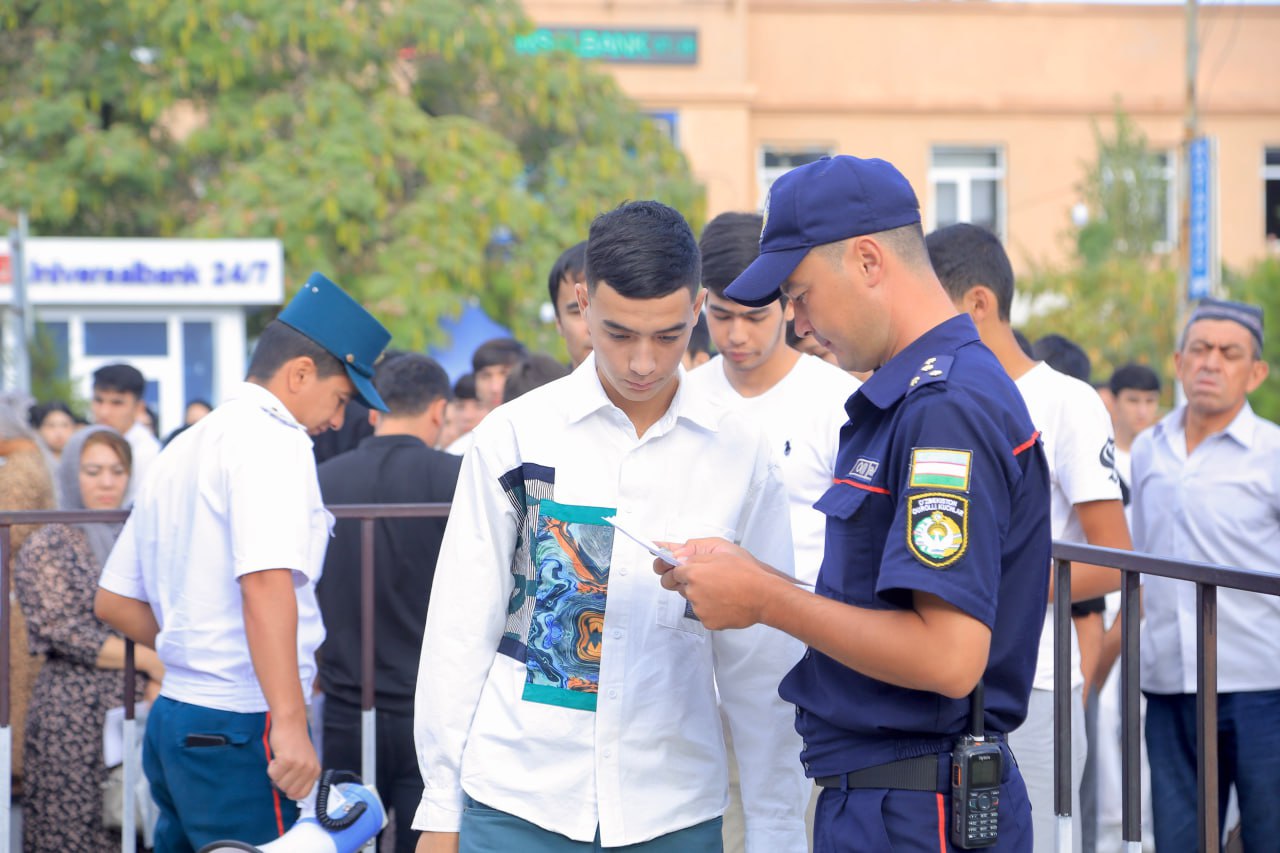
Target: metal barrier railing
x=366 y=514
x=1132 y=565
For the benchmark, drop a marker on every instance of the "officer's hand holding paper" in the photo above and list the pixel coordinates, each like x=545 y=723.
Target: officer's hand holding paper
x=726 y=585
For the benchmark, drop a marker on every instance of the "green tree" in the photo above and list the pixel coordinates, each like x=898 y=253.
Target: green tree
x=1117 y=296
x=403 y=146
x=1261 y=287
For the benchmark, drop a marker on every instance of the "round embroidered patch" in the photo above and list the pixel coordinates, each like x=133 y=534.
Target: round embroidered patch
x=937 y=528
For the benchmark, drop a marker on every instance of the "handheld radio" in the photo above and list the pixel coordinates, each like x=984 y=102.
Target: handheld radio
x=977 y=766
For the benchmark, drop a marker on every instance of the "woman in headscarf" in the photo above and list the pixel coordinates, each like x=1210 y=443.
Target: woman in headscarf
x=56 y=576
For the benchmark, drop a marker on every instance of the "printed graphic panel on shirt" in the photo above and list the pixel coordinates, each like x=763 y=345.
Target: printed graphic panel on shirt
x=940 y=468
x=937 y=528
x=571 y=552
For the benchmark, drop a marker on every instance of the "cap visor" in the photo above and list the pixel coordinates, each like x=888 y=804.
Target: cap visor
x=365 y=392
x=760 y=283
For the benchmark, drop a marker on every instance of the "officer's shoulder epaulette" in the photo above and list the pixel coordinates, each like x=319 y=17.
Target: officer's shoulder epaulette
x=934 y=369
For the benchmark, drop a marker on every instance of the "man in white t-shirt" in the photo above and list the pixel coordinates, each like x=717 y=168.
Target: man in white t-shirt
x=1085 y=505
x=797 y=400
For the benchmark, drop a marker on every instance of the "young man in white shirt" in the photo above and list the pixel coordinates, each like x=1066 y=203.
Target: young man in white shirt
x=1085 y=494
x=117 y=400
x=216 y=570
x=566 y=701
x=798 y=400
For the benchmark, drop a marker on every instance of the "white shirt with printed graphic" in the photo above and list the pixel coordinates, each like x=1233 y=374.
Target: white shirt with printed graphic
x=632 y=742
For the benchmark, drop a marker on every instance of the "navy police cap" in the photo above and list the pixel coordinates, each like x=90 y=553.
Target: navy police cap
x=325 y=313
x=822 y=202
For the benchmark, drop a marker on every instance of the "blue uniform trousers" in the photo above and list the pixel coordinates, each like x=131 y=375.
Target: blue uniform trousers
x=874 y=819
x=487 y=830
x=208 y=775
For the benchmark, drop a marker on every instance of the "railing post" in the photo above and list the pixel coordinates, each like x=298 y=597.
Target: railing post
x=1062 y=704
x=1207 y=717
x=1130 y=712
x=368 y=716
x=6 y=732
x=129 y=826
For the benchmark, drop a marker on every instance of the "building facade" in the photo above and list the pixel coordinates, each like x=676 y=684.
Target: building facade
x=989 y=108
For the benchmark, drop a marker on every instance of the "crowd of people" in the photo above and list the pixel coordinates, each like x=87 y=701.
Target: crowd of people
x=856 y=465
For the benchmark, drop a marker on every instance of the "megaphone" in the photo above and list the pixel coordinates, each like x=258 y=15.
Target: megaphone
x=340 y=816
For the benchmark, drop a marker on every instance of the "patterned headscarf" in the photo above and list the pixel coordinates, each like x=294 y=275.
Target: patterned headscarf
x=101 y=536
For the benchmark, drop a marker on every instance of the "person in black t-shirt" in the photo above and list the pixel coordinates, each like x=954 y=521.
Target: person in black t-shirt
x=397 y=464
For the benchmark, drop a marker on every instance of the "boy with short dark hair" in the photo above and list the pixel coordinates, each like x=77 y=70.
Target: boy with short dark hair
x=117 y=403
x=570 y=268
x=564 y=697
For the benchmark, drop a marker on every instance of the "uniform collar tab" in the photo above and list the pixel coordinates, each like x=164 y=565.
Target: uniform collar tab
x=925 y=360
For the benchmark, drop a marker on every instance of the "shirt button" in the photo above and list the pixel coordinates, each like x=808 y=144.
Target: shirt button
x=613 y=694
x=608 y=753
x=617 y=635
x=808 y=653
x=622 y=571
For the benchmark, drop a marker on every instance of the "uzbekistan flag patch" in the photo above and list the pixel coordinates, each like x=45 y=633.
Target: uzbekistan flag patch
x=939 y=468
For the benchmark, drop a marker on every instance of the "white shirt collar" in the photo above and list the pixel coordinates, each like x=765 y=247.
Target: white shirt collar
x=1242 y=427
x=588 y=396
x=257 y=395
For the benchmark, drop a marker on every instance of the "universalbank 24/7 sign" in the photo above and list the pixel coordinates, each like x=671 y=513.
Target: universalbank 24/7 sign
x=97 y=271
x=635 y=46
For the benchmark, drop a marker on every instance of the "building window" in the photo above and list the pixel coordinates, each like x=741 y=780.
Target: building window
x=967 y=185
x=777 y=160
x=668 y=124
x=1271 y=191
x=1166 y=191
x=125 y=339
x=197 y=361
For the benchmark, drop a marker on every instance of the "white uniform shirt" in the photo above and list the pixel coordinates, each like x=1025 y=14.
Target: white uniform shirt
x=559 y=681
x=1219 y=505
x=802 y=415
x=1078 y=443
x=236 y=493
x=145 y=447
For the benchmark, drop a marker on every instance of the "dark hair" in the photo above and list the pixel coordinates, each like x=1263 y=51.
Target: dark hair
x=1137 y=377
x=114 y=440
x=124 y=378
x=533 y=372
x=1063 y=355
x=965 y=256
x=571 y=263
x=506 y=351
x=409 y=383
x=280 y=343
x=465 y=387
x=729 y=244
x=643 y=250
x=700 y=338
x=155 y=421
x=37 y=413
x=200 y=401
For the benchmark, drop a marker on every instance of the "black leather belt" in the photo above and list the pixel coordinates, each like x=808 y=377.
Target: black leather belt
x=909 y=774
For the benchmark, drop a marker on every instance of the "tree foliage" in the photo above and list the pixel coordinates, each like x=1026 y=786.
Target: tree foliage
x=1261 y=287
x=402 y=146
x=1117 y=297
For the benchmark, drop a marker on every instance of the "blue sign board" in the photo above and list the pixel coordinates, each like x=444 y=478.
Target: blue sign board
x=1201 y=268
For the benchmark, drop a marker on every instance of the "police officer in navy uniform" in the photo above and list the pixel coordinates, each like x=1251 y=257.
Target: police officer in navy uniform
x=937 y=553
